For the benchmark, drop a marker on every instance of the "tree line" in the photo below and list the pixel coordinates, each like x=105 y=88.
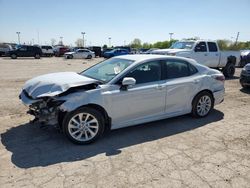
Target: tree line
x=223 y=44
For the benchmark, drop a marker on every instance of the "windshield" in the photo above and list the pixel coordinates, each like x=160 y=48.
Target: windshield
x=108 y=69
x=182 y=45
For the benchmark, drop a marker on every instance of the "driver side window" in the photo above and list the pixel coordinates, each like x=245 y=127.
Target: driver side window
x=23 y=48
x=201 y=47
x=147 y=72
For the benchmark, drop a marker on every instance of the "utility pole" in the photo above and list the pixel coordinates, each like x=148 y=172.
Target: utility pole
x=61 y=40
x=110 y=42
x=170 y=36
x=124 y=42
x=38 y=40
x=83 y=33
x=236 y=40
x=18 y=36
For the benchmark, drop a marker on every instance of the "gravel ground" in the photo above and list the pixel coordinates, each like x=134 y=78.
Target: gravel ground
x=177 y=152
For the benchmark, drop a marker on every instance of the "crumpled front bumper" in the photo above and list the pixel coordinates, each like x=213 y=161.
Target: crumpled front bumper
x=39 y=108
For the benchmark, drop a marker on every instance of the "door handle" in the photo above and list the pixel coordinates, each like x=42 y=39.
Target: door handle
x=196 y=81
x=205 y=54
x=160 y=87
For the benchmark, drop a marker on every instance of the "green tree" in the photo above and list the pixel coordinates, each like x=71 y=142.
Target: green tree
x=136 y=43
x=105 y=46
x=146 y=45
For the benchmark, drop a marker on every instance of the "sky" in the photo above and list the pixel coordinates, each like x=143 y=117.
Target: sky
x=122 y=20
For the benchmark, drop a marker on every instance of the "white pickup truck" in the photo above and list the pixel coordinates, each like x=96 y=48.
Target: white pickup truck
x=206 y=53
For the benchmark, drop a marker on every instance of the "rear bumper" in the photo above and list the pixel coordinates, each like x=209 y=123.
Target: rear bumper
x=219 y=96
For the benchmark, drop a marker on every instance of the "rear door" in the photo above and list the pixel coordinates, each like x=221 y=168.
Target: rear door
x=213 y=54
x=182 y=83
x=22 y=52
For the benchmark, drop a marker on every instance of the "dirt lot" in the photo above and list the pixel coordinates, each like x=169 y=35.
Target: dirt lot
x=178 y=152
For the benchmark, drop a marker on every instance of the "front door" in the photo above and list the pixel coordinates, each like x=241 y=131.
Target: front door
x=144 y=100
x=200 y=53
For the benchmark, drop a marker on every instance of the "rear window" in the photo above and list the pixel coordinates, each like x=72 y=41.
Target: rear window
x=46 y=47
x=212 y=47
x=178 y=69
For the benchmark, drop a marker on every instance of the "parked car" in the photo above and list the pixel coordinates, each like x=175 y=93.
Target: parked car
x=245 y=76
x=47 y=50
x=97 y=50
x=150 y=50
x=123 y=47
x=122 y=91
x=80 y=54
x=25 y=51
x=206 y=53
x=115 y=52
x=60 y=51
x=4 y=48
x=244 y=57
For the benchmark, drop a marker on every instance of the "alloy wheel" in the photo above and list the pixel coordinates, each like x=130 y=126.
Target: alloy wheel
x=83 y=127
x=204 y=105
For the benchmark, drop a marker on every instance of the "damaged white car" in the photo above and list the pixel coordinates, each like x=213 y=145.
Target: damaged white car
x=122 y=91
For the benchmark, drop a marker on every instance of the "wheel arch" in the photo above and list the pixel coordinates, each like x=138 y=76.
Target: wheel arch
x=204 y=90
x=107 y=119
x=231 y=59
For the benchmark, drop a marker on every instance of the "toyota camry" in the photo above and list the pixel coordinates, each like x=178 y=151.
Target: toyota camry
x=122 y=91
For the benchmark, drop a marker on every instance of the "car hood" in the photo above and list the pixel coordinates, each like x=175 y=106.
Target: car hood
x=55 y=83
x=169 y=51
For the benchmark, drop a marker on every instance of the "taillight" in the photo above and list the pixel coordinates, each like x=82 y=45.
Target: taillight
x=219 y=77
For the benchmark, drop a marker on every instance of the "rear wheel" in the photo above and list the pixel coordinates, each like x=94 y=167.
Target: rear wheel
x=203 y=103
x=229 y=70
x=89 y=56
x=83 y=125
x=13 y=56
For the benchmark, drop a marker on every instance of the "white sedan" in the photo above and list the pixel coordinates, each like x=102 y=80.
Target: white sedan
x=80 y=54
x=123 y=91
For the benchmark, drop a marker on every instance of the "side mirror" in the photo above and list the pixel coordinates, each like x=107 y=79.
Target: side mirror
x=128 y=81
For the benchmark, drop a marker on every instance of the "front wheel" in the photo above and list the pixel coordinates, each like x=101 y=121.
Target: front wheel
x=202 y=104
x=89 y=57
x=83 y=125
x=70 y=57
x=37 y=56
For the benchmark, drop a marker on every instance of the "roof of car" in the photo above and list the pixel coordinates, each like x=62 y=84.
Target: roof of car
x=142 y=57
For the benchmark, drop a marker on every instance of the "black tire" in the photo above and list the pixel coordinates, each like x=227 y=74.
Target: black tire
x=89 y=57
x=195 y=103
x=93 y=112
x=37 y=56
x=70 y=57
x=244 y=86
x=13 y=56
x=229 y=70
